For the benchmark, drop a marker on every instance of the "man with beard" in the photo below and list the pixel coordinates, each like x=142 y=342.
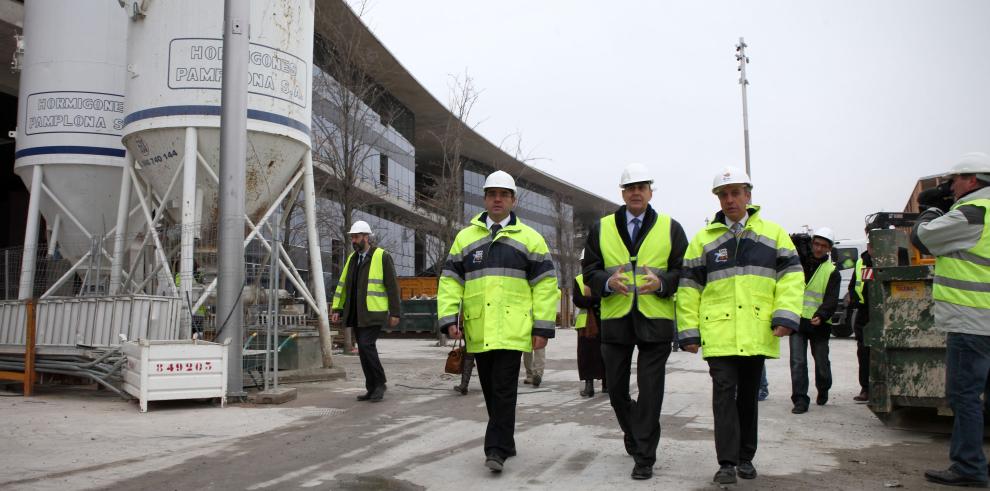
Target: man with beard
x=367 y=296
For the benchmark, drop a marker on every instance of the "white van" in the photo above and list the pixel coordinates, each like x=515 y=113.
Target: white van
x=845 y=253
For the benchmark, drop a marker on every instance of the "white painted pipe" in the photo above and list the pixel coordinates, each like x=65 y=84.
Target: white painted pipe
x=119 y=240
x=53 y=240
x=29 y=261
x=189 y=226
x=316 y=260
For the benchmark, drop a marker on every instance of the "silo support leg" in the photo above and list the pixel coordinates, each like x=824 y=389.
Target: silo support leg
x=120 y=230
x=28 y=261
x=316 y=260
x=189 y=227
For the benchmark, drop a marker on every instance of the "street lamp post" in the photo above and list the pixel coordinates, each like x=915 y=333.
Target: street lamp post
x=743 y=60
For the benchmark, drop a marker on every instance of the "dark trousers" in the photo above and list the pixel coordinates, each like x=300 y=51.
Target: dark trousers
x=735 y=383
x=589 y=358
x=371 y=365
x=498 y=371
x=639 y=419
x=799 y=365
x=467 y=366
x=967 y=364
x=863 y=356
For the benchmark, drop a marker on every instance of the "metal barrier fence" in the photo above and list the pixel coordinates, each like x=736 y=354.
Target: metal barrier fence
x=64 y=324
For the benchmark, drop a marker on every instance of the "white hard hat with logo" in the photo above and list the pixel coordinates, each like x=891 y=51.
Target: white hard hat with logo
x=500 y=179
x=634 y=173
x=730 y=175
x=826 y=233
x=973 y=163
x=360 y=227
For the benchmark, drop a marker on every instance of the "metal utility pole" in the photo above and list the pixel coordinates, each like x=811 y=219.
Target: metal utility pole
x=743 y=60
x=233 y=167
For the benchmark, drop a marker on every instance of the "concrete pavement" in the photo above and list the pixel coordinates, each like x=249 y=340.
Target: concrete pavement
x=425 y=436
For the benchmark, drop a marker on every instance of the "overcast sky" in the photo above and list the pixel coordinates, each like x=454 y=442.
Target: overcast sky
x=850 y=102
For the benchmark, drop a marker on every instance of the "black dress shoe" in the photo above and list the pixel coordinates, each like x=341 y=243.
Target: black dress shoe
x=378 y=394
x=746 y=470
x=642 y=471
x=950 y=477
x=630 y=444
x=726 y=475
x=364 y=397
x=822 y=398
x=589 y=389
x=799 y=409
x=495 y=462
x=461 y=388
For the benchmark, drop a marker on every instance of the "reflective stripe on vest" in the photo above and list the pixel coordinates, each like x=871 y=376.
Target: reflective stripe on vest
x=653 y=254
x=814 y=291
x=858 y=274
x=377 y=298
x=961 y=278
x=582 y=317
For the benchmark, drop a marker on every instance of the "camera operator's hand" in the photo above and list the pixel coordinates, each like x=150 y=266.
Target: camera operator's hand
x=939 y=197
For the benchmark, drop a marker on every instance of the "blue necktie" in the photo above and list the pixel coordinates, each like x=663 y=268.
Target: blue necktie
x=495 y=228
x=635 y=230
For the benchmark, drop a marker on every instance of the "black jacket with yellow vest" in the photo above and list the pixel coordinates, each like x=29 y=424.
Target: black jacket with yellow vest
x=635 y=327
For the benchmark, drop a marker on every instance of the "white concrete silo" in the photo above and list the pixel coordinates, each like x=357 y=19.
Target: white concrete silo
x=172 y=126
x=70 y=120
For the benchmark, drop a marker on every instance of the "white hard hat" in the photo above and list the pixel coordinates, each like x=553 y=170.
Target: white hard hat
x=730 y=175
x=826 y=233
x=973 y=163
x=634 y=173
x=360 y=227
x=500 y=179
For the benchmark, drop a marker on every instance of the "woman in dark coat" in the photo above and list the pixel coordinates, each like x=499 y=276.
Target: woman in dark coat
x=589 y=350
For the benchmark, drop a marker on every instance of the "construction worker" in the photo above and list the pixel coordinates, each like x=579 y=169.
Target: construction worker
x=368 y=296
x=740 y=291
x=500 y=274
x=821 y=298
x=859 y=303
x=633 y=260
x=959 y=238
x=196 y=318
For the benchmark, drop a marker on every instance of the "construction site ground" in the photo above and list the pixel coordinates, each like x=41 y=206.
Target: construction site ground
x=426 y=436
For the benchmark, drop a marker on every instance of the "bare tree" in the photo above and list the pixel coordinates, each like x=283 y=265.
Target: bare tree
x=351 y=116
x=446 y=192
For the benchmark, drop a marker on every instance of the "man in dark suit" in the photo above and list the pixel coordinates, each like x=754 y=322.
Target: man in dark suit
x=367 y=296
x=633 y=260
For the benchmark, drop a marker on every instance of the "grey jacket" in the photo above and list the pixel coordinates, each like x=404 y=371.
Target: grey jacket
x=360 y=275
x=956 y=231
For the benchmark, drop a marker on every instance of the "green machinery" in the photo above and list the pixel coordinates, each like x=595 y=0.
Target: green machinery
x=907 y=352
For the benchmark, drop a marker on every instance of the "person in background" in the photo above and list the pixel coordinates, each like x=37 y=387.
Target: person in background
x=858 y=311
x=589 y=347
x=534 y=362
x=368 y=295
x=821 y=298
